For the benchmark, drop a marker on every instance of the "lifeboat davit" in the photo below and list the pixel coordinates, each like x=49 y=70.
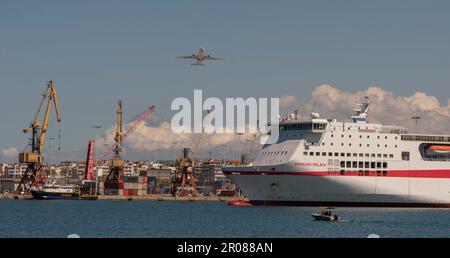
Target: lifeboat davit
x=239 y=203
x=443 y=149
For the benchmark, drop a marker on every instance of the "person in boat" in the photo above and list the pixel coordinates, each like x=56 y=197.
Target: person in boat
x=326 y=213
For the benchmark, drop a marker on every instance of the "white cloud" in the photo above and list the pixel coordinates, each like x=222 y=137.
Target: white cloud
x=9 y=153
x=423 y=102
x=288 y=102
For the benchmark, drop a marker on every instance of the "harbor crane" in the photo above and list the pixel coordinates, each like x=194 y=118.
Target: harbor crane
x=34 y=174
x=117 y=163
x=186 y=166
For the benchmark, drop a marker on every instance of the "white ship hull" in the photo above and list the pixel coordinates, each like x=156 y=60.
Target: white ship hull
x=323 y=162
x=335 y=190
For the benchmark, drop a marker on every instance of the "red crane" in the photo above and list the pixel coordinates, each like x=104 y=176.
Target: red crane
x=89 y=170
x=139 y=121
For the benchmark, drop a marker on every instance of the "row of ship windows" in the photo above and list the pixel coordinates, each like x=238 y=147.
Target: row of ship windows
x=342 y=154
x=304 y=126
x=362 y=164
x=368 y=136
x=274 y=153
x=425 y=138
x=361 y=172
x=360 y=145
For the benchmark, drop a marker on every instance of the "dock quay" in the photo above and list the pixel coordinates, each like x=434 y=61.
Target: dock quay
x=153 y=197
x=171 y=198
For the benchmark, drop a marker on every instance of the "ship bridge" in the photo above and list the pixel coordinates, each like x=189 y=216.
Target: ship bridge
x=312 y=126
x=310 y=130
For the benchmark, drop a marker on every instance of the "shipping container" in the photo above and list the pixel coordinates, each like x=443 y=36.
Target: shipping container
x=151 y=190
x=131 y=179
x=133 y=192
x=112 y=185
x=111 y=192
x=142 y=179
x=142 y=192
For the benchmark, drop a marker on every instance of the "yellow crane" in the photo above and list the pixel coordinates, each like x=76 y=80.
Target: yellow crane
x=117 y=163
x=34 y=158
x=117 y=160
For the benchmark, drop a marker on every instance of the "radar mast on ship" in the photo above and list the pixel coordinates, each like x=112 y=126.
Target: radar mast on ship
x=360 y=115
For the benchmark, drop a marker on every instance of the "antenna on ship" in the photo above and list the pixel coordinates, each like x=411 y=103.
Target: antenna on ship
x=360 y=116
x=416 y=118
x=296 y=114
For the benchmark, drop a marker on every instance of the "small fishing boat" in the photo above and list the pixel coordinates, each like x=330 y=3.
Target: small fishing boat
x=60 y=192
x=55 y=191
x=325 y=215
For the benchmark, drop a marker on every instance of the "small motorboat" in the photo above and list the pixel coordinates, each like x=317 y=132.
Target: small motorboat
x=325 y=215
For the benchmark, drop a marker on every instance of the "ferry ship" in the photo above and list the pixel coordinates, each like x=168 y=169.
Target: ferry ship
x=323 y=162
x=54 y=191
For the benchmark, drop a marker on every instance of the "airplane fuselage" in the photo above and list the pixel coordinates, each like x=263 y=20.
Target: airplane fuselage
x=200 y=57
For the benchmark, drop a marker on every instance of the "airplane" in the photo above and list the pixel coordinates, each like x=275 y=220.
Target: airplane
x=200 y=57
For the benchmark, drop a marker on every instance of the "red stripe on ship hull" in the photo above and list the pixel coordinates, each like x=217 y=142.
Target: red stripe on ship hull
x=392 y=173
x=350 y=204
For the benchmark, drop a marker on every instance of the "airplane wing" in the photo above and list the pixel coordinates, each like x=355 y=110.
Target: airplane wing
x=213 y=58
x=187 y=57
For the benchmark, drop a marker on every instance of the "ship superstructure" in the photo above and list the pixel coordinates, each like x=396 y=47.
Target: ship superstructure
x=324 y=162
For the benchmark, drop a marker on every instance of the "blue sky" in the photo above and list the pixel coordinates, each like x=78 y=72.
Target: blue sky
x=100 y=51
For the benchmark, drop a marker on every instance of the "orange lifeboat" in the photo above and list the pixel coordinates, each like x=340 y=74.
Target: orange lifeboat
x=439 y=149
x=239 y=203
